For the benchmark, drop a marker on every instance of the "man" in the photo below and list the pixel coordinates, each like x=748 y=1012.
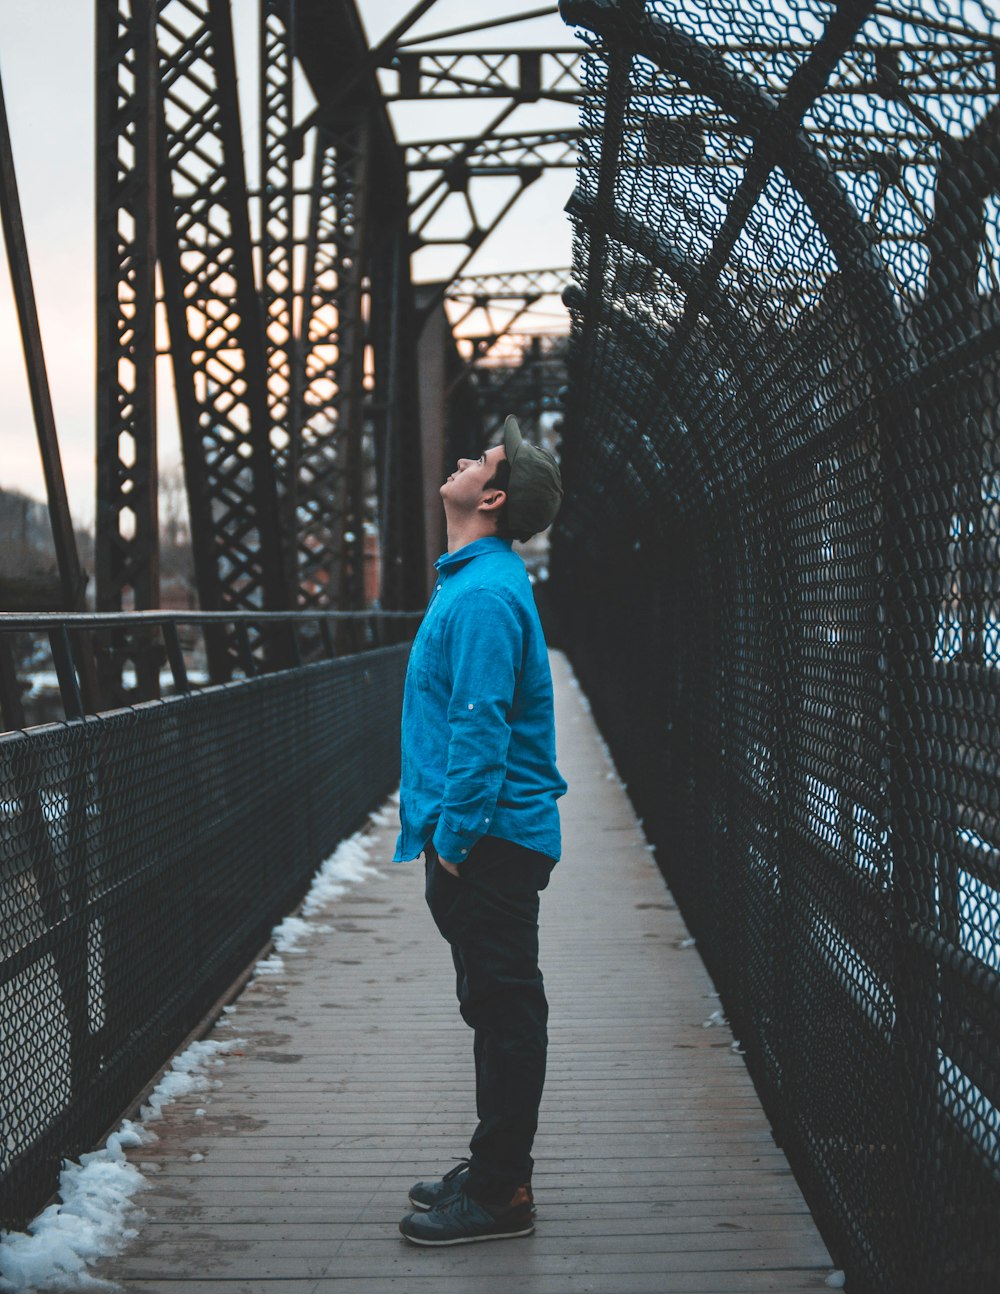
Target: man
x=478 y=798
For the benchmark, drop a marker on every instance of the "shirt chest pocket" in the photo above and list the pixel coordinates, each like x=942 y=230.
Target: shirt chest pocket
x=430 y=665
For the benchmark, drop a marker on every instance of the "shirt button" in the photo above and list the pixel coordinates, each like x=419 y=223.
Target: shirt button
x=486 y=819
x=471 y=706
x=439 y=588
x=463 y=851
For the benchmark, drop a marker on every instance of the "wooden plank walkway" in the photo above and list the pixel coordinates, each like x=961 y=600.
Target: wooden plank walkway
x=656 y=1172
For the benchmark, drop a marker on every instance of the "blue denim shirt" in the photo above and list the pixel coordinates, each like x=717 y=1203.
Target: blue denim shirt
x=478 y=734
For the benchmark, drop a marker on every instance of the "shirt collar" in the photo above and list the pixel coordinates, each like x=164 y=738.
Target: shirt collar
x=488 y=544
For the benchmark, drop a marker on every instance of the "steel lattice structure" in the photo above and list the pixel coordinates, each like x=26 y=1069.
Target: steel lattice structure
x=778 y=567
x=270 y=371
x=288 y=309
x=292 y=339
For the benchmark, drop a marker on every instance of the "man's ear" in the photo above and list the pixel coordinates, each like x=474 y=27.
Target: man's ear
x=494 y=500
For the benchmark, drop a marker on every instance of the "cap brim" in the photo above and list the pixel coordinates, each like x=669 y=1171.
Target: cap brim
x=512 y=438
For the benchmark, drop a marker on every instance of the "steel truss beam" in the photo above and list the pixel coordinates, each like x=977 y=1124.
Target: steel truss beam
x=394 y=420
x=890 y=70
x=699 y=140
x=127 y=538
x=331 y=486
x=277 y=253
x=521 y=372
x=509 y=285
x=497 y=154
x=214 y=316
x=359 y=430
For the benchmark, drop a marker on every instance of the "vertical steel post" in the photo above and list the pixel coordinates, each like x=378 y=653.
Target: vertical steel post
x=127 y=540
x=277 y=253
x=396 y=425
x=332 y=484
x=351 y=192
x=214 y=314
x=71 y=577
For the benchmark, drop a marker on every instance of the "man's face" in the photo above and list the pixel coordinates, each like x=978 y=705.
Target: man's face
x=465 y=488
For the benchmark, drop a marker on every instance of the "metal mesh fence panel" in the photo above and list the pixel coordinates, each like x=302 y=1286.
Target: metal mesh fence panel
x=776 y=569
x=145 y=855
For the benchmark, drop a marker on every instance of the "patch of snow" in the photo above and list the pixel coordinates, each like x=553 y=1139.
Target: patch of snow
x=346 y=866
x=290 y=934
x=185 y=1075
x=91 y=1219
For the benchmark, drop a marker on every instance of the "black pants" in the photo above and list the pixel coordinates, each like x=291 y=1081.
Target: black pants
x=489 y=915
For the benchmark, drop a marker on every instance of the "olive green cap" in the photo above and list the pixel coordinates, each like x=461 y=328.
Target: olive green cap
x=535 y=490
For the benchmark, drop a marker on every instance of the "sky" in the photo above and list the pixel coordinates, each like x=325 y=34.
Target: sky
x=47 y=66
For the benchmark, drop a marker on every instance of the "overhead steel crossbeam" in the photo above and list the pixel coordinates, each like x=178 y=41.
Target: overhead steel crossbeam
x=700 y=140
x=505 y=301
x=526 y=372
x=906 y=75
x=496 y=154
x=510 y=284
x=556 y=74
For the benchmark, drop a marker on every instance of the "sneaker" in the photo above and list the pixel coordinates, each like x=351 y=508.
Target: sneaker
x=462 y=1220
x=428 y=1195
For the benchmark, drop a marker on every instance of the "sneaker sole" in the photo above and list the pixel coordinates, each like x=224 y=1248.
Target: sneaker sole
x=467 y=1240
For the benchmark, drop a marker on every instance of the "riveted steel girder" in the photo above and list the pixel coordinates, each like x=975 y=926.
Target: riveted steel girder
x=277 y=251
x=558 y=74
x=330 y=480
x=214 y=315
x=127 y=538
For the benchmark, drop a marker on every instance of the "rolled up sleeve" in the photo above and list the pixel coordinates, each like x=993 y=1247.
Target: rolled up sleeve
x=483 y=648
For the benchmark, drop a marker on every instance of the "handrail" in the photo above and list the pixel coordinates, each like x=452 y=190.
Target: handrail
x=20 y=621
x=85 y=689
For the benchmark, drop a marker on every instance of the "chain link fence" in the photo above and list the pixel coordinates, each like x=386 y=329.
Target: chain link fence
x=145 y=854
x=776 y=569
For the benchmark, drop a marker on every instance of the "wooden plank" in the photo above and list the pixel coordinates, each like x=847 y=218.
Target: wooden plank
x=656 y=1170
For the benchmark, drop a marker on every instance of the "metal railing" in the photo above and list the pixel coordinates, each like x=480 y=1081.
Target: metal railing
x=777 y=569
x=86 y=653
x=145 y=854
